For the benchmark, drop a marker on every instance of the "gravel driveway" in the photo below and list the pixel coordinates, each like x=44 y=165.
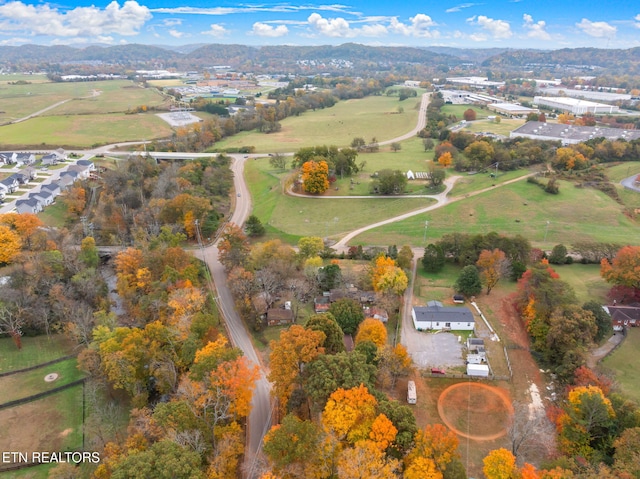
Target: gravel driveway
x=432 y=349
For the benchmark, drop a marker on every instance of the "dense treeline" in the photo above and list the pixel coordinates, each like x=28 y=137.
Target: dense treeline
x=140 y=196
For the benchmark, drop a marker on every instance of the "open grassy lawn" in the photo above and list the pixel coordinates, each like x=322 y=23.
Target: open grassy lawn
x=435 y=286
x=18 y=101
x=83 y=131
x=620 y=171
x=576 y=214
x=623 y=362
x=469 y=183
x=289 y=217
x=54 y=215
x=35 y=350
x=111 y=97
x=374 y=116
x=458 y=111
x=585 y=280
x=28 y=383
x=53 y=423
x=505 y=126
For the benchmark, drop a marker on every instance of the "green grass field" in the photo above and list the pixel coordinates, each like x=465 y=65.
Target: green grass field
x=54 y=215
x=585 y=280
x=289 y=217
x=458 y=111
x=53 y=423
x=83 y=131
x=18 y=101
x=576 y=214
x=503 y=128
x=622 y=361
x=619 y=172
x=28 y=383
x=35 y=350
x=374 y=116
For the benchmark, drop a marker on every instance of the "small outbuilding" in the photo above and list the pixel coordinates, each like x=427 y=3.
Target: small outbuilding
x=478 y=370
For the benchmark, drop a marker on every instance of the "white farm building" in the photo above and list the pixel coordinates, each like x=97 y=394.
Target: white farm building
x=434 y=316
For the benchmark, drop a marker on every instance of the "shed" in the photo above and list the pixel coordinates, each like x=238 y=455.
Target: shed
x=479 y=370
x=279 y=316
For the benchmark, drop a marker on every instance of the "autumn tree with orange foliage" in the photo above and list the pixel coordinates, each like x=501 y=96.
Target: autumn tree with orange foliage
x=393 y=362
x=624 y=270
x=500 y=464
x=10 y=245
x=26 y=225
x=233 y=247
x=372 y=330
x=493 y=266
x=387 y=277
x=296 y=347
x=315 y=177
x=366 y=461
x=75 y=200
x=445 y=159
x=435 y=443
x=349 y=413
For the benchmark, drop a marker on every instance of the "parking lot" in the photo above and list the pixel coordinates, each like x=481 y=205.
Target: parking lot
x=432 y=350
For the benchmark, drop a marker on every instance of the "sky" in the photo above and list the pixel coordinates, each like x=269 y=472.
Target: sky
x=539 y=24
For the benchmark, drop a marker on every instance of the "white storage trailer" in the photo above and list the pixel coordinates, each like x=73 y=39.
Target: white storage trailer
x=480 y=370
x=411 y=392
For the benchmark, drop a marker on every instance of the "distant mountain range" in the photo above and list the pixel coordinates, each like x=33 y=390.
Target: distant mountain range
x=246 y=57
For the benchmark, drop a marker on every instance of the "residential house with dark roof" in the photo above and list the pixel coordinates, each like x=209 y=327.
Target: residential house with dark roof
x=28 y=206
x=11 y=184
x=49 y=159
x=7 y=157
x=623 y=316
x=25 y=159
x=435 y=316
x=53 y=188
x=44 y=197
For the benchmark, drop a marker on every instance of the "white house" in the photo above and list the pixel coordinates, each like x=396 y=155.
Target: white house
x=43 y=197
x=25 y=159
x=52 y=188
x=7 y=157
x=50 y=159
x=11 y=184
x=28 y=206
x=434 y=316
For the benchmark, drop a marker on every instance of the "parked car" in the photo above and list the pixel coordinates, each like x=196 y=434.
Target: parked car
x=438 y=371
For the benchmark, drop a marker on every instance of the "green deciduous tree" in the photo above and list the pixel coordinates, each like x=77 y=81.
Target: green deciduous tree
x=348 y=314
x=468 y=282
x=433 y=259
x=326 y=323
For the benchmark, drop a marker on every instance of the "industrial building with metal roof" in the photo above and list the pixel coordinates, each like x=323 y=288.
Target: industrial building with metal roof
x=571 y=134
x=574 y=105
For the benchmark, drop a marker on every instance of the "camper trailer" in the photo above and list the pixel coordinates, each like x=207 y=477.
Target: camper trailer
x=411 y=392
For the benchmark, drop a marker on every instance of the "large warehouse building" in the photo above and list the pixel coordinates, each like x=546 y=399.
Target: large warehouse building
x=570 y=134
x=574 y=105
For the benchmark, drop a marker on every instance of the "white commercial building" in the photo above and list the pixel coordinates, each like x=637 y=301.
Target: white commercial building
x=574 y=105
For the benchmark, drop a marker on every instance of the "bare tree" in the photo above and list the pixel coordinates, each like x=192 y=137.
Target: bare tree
x=529 y=431
x=11 y=324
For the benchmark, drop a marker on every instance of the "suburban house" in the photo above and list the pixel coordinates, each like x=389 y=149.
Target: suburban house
x=7 y=157
x=321 y=304
x=67 y=179
x=28 y=206
x=22 y=177
x=11 y=183
x=44 y=197
x=25 y=159
x=376 y=313
x=52 y=188
x=86 y=164
x=50 y=159
x=62 y=155
x=83 y=171
x=624 y=316
x=434 y=316
x=279 y=316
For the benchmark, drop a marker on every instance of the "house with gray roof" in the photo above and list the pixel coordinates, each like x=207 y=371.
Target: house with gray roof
x=437 y=317
x=50 y=159
x=7 y=157
x=44 y=197
x=28 y=206
x=11 y=183
x=53 y=188
x=25 y=159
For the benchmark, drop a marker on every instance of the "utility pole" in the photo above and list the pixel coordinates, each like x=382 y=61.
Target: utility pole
x=546 y=230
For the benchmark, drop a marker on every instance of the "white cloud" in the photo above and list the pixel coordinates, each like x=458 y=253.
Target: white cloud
x=264 y=30
x=216 y=30
x=478 y=37
x=421 y=26
x=458 y=8
x=175 y=33
x=330 y=27
x=535 y=29
x=15 y=41
x=497 y=28
x=79 y=22
x=283 y=8
x=172 y=22
x=596 y=29
x=375 y=30
x=637 y=19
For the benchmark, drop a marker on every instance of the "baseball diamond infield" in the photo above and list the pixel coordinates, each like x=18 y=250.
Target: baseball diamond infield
x=470 y=408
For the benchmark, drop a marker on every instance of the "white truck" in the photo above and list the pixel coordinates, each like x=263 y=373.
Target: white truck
x=411 y=392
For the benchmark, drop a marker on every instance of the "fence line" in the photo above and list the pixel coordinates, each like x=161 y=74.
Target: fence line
x=18 y=402
x=41 y=365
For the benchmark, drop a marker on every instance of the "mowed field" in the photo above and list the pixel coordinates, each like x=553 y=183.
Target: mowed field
x=289 y=217
x=90 y=113
x=622 y=361
x=375 y=116
x=576 y=214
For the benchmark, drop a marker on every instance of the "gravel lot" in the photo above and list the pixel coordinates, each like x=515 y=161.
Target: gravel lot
x=432 y=350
